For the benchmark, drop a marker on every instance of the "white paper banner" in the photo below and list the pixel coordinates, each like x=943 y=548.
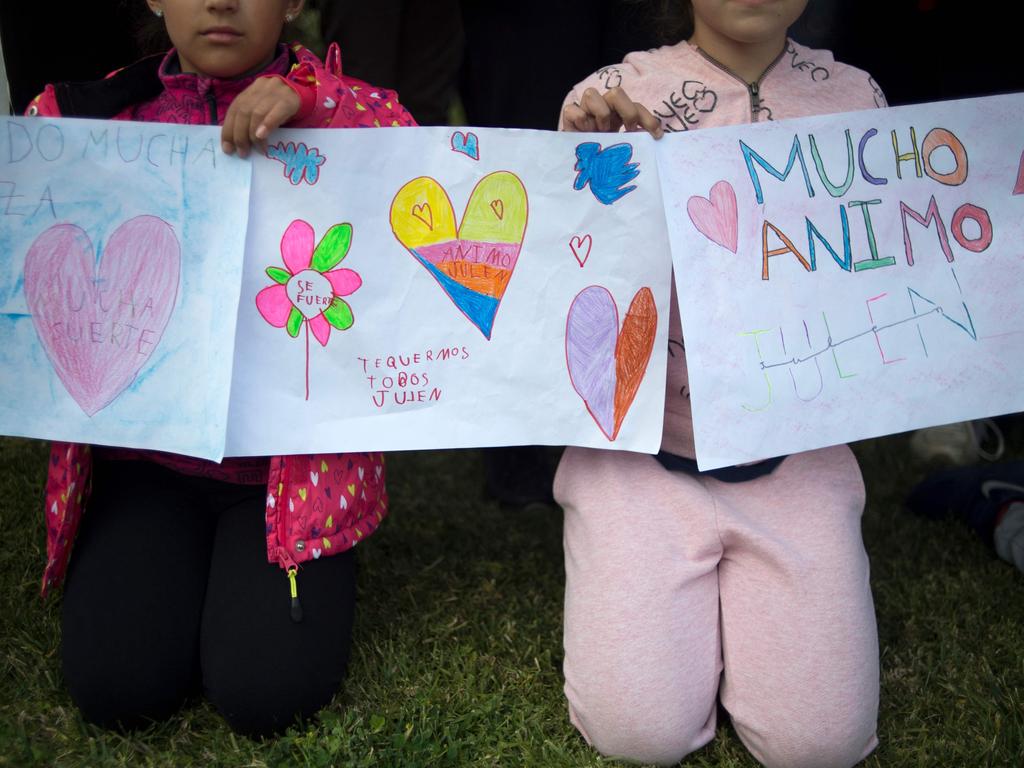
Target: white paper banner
x=498 y=287
x=848 y=276
x=840 y=277
x=120 y=261
x=402 y=289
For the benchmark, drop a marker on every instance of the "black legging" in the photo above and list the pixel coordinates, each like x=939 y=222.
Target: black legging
x=169 y=587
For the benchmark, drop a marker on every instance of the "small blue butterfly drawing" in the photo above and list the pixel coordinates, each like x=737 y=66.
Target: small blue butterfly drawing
x=467 y=144
x=300 y=162
x=606 y=170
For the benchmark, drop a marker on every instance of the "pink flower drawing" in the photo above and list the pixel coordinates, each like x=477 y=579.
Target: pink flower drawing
x=309 y=291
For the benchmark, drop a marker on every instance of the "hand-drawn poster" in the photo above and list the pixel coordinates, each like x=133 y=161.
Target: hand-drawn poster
x=122 y=246
x=436 y=288
x=848 y=276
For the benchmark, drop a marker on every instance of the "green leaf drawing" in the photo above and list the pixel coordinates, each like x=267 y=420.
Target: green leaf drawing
x=294 y=325
x=332 y=248
x=278 y=275
x=339 y=314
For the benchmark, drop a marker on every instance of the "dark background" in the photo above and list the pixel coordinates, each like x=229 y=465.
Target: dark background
x=520 y=59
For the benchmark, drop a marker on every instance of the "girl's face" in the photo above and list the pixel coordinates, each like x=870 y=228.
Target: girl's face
x=748 y=21
x=225 y=38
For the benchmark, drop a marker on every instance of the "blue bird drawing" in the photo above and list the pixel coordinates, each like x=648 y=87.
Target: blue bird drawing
x=607 y=171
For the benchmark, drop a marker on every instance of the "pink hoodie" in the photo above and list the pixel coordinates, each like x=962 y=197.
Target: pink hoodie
x=318 y=504
x=687 y=89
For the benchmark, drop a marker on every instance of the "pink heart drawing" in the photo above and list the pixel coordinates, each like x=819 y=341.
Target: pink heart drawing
x=606 y=365
x=99 y=323
x=580 y=247
x=716 y=218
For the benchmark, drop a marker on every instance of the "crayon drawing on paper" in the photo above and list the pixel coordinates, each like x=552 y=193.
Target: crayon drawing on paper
x=100 y=323
x=472 y=260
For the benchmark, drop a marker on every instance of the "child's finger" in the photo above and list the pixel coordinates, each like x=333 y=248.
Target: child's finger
x=594 y=104
x=278 y=114
x=624 y=106
x=257 y=117
x=241 y=130
x=575 y=119
x=649 y=122
x=227 y=136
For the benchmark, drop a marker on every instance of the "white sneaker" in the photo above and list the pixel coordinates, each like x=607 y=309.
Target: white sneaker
x=964 y=442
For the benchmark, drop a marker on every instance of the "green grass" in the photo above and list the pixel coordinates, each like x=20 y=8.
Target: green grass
x=458 y=643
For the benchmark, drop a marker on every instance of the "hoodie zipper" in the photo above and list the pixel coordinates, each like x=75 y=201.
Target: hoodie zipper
x=754 y=88
x=292 y=570
x=284 y=557
x=211 y=103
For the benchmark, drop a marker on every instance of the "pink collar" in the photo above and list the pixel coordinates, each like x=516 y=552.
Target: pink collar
x=175 y=80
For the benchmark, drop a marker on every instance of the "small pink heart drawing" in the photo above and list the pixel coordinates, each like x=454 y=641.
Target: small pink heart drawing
x=580 y=247
x=607 y=365
x=716 y=218
x=100 y=323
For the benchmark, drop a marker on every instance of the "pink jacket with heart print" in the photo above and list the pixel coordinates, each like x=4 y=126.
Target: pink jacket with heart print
x=686 y=89
x=318 y=504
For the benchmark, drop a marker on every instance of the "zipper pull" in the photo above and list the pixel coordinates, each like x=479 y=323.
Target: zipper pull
x=211 y=105
x=755 y=89
x=296 y=607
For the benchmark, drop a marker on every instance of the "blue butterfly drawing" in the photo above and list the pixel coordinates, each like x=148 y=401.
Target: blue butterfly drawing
x=607 y=171
x=300 y=162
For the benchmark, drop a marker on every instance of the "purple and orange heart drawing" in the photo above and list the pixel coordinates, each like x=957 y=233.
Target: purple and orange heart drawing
x=607 y=364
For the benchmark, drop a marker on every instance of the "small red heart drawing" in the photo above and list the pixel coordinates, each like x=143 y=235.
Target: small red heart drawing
x=580 y=247
x=424 y=214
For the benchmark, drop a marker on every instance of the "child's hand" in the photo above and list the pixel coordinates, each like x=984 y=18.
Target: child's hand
x=609 y=112
x=261 y=108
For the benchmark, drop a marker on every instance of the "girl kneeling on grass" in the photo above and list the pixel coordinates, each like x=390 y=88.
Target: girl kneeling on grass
x=181 y=568
x=747 y=585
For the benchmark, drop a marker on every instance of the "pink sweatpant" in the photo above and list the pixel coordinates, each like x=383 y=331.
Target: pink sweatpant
x=682 y=590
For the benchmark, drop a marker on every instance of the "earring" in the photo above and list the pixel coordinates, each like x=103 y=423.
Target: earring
x=158 y=13
x=289 y=17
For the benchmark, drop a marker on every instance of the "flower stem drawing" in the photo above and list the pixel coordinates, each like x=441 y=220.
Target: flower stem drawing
x=309 y=291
